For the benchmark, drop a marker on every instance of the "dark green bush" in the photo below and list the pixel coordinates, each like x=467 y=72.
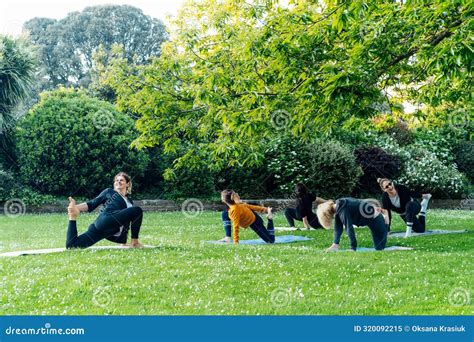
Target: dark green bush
x=70 y=143
x=464 y=158
x=333 y=171
x=327 y=167
x=375 y=163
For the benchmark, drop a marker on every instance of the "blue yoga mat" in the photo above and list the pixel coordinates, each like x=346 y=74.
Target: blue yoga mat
x=428 y=232
x=366 y=249
x=278 y=239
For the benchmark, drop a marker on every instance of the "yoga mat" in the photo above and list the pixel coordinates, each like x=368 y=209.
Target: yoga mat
x=366 y=249
x=287 y=229
x=278 y=239
x=429 y=232
x=57 y=250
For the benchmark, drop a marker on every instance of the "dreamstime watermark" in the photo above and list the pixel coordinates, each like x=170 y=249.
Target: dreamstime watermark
x=103 y=296
x=281 y=297
x=280 y=119
x=46 y=330
x=459 y=118
x=14 y=207
x=367 y=209
x=459 y=297
x=103 y=120
x=192 y=207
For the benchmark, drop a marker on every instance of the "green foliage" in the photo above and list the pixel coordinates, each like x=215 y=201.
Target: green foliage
x=243 y=72
x=333 y=171
x=7 y=184
x=249 y=182
x=190 y=183
x=464 y=153
x=288 y=160
x=327 y=167
x=67 y=46
x=375 y=163
x=70 y=143
x=426 y=167
x=17 y=72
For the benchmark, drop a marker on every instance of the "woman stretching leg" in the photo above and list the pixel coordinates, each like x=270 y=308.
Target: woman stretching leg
x=403 y=201
x=242 y=215
x=115 y=219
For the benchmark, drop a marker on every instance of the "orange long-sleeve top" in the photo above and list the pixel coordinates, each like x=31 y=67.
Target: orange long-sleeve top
x=241 y=215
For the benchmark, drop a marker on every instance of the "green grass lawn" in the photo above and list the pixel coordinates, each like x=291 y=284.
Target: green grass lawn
x=186 y=276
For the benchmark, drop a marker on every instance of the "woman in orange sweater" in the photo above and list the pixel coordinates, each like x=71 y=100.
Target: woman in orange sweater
x=242 y=215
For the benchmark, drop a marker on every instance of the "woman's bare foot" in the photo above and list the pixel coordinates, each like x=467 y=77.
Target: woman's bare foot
x=269 y=213
x=334 y=248
x=72 y=210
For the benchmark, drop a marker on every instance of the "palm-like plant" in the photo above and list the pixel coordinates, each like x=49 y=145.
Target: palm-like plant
x=17 y=73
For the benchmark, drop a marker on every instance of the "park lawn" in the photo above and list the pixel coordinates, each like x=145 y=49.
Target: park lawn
x=186 y=276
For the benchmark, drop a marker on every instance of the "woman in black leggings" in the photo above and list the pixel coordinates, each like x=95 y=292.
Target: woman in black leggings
x=117 y=216
x=304 y=208
x=404 y=202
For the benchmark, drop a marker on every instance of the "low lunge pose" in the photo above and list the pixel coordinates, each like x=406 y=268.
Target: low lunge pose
x=304 y=208
x=350 y=211
x=242 y=215
x=115 y=219
x=403 y=201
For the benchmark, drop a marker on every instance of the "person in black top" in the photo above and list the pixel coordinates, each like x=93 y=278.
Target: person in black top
x=349 y=212
x=117 y=216
x=304 y=208
x=403 y=201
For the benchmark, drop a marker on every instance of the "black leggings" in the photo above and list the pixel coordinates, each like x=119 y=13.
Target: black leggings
x=411 y=210
x=379 y=230
x=105 y=227
x=292 y=215
x=267 y=234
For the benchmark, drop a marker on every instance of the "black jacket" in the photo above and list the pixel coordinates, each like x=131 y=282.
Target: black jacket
x=304 y=205
x=111 y=200
x=405 y=194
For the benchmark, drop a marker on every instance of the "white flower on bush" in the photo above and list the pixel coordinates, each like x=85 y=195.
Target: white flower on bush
x=427 y=165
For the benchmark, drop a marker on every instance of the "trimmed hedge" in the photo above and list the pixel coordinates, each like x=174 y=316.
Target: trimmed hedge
x=70 y=143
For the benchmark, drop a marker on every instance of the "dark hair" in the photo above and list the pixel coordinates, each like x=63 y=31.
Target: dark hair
x=226 y=196
x=128 y=179
x=300 y=190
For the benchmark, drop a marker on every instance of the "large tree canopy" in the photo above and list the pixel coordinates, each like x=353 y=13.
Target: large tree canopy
x=67 y=46
x=237 y=71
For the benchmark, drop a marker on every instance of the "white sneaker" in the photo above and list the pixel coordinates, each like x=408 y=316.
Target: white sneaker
x=409 y=232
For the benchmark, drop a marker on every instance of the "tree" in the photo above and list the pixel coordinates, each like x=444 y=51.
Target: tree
x=67 y=46
x=17 y=73
x=236 y=73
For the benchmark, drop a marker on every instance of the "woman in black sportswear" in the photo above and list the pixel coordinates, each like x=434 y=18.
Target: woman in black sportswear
x=115 y=219
x=304 y=208
x=404 y=202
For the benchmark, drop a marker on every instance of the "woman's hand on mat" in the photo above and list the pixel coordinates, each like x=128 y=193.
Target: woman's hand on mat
x=136 y=243
x=334 y=247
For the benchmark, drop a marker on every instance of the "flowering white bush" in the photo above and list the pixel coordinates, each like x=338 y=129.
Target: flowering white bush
x=428 y=166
